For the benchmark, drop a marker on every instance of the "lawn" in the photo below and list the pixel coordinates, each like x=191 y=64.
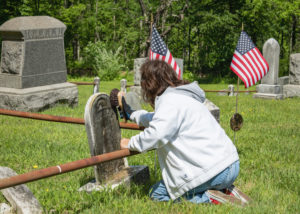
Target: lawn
x=268 y=145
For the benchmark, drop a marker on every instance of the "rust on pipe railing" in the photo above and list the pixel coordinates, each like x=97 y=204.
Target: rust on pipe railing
x=38 y=116
x=130 y=126
x=83 y=83
x=229 y=91
x=60 y=119
x=63 y=168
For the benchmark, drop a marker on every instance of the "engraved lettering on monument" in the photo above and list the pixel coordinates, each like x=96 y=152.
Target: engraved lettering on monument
x=11 y=57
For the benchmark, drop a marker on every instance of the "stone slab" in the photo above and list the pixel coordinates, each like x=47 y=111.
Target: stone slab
x=6 y=209
x=38 y=98
x=20 y=197
x=214 y=110
x=295 y=69
x=291 y=91
x=268 y=96
x=283 y=80
x=136 y=174
x=269 y=89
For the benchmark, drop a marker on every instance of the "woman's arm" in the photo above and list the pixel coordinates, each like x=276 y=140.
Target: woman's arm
x=162 y=129
x=142 y=117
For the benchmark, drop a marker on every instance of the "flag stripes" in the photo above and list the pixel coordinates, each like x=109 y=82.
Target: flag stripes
x=159 y=51
x=247 y=62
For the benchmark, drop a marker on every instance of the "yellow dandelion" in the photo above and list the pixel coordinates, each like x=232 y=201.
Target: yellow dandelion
x=35 y=166
x=47 y=190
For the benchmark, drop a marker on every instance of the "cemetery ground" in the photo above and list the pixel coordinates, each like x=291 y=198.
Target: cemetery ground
x=268 y=146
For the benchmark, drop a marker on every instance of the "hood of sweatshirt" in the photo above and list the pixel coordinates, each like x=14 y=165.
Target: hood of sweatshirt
x=192 y=90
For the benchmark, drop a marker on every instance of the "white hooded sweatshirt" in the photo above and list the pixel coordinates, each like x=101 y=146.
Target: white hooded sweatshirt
x=191 y=145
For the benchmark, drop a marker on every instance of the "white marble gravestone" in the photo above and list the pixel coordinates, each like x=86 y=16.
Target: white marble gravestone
x=269 y=87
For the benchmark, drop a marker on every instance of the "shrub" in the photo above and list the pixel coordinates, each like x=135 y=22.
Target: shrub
x=105 y=62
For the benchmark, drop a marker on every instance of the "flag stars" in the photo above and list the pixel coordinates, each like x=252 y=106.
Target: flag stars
x=244 y=44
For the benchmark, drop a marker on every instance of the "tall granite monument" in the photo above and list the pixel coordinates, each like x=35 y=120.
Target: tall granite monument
x=270 y=87
x=33 y=71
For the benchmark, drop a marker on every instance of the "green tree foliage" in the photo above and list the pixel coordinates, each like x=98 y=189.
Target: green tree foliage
x=203 y=33
x=105 y=63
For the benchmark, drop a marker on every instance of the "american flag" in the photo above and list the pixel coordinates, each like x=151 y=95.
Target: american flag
x=247 y=62
x=159 y=50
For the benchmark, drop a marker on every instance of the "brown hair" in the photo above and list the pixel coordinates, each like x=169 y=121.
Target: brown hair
x=156 y=77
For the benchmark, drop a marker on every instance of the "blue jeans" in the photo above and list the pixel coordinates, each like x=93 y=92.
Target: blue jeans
x=224 y=179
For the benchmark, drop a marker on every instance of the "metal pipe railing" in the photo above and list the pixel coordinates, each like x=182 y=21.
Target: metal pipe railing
x=83 y=83
x=229 y=91
x=60 y=119
x=63 y=168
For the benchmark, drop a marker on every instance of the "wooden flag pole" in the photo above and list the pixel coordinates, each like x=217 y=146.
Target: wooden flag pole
x=236 y=100
x=236 y=106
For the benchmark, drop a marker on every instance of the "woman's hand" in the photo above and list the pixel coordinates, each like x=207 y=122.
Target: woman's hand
x=124 y=143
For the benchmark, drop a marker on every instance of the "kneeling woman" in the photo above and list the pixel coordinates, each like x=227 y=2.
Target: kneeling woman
x=195 y=154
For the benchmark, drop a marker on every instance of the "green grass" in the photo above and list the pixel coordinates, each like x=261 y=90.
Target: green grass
x=268 y=145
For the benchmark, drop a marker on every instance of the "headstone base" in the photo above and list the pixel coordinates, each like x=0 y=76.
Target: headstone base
x=136 y=174
x=20 y=197
x=269 y=89
x=38 y=98
x=291 y=91
x=268 y=96
x=283 y=80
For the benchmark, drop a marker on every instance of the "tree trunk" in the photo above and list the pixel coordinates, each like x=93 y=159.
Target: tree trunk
x=76 y=47
x=293 y=33
x=97 y=36
x=189 y=47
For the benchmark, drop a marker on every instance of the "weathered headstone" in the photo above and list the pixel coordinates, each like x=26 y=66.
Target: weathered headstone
x=133 y=100
x=97 y=85
x=20 y=197
x=104 y=135
x=231 y=90
x=293 y=88
x=33 y=58
x=131 y=97
x=295 y=69
x=269 y=87
x=123 y=85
